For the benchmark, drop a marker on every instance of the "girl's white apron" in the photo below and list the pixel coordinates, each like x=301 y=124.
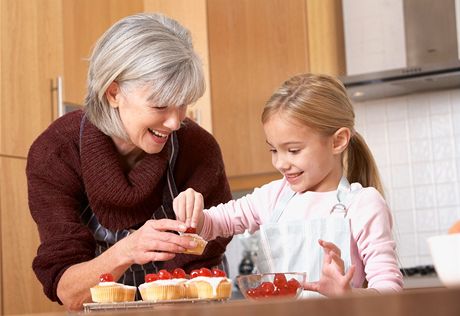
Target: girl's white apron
x=292 y=246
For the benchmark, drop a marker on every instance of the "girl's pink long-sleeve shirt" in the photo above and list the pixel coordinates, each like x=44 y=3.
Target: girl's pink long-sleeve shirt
x=372 y=246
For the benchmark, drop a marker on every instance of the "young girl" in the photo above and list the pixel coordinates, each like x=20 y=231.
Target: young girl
x=312 y=219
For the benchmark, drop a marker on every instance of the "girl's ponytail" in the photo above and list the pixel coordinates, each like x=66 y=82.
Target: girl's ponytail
x=360 y=165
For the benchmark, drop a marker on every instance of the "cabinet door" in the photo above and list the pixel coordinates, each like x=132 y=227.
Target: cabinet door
x=326 y=47
x=84 y=22
x=22 y=293
x=253 y=46
x=31 y=59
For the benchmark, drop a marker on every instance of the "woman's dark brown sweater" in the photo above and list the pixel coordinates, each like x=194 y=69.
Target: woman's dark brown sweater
x=64 y=176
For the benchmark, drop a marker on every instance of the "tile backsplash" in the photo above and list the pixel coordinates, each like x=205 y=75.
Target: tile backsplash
x=415 y=140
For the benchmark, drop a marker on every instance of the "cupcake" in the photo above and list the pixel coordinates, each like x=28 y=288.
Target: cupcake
x=201 y=243
x=108 y=291
x=163 y=286
x=207 y=284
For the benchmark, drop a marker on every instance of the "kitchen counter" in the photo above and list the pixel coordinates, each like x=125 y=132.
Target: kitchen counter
x=426 y=302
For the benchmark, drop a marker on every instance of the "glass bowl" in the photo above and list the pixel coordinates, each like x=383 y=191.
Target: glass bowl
x=271 y=285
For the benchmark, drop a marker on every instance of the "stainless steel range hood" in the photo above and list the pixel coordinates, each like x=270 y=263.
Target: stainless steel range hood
x=432 y=50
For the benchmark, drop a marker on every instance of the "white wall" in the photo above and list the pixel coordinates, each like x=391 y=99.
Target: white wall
x=416 y=142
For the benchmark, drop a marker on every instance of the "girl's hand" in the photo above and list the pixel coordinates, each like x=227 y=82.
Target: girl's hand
x=333 y=281
x=188 y=206
x=154 y=242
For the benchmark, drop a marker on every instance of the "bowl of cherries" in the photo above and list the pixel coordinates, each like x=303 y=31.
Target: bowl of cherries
x=271 y=285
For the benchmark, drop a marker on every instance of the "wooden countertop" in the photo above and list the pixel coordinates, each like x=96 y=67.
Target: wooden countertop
x=429 y=302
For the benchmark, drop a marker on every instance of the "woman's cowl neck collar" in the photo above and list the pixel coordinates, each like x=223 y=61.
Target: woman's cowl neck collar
x=120 y=200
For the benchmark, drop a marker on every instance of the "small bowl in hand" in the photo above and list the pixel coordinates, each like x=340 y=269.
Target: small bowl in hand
x=271 y=285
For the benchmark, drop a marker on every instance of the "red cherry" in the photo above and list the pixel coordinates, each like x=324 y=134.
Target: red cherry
x=164 y=275
x=252 y=292
x=205 y=272
x=194 y=273
x=150 y=277
x=284 y=291
x=190 y=230
x=293 y=284
x=267 y=289
x=106 y=277
x=178 y=273
x=218 y=273
x=280 y=280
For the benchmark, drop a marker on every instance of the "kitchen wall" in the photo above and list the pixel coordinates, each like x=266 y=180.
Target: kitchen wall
x=416 y=143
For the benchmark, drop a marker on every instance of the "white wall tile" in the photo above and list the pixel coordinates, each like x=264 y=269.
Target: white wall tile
x=447 y=194
x=418 y=105
x=441 y=126
x=399 y=152
x=439 y=102
x=375 y=112
x=455 y=100
x=380 y=153
x=456 y=123
x=426 y=220
x=444 y=171
x=403 y=222
x=419 y=127
x=402 y=199
x=420 y=150
x=397 y=109
x=422 y=173
x=407 y=244
x=400 y=176
x=376 y=133
x=397 y=131
x=424 y=197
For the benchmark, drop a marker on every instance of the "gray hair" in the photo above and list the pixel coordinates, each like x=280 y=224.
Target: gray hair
x=142 y=49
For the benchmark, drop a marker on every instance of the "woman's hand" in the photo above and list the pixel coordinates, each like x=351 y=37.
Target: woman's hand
x=333 y=281
x=154 y=242
x=188 y=206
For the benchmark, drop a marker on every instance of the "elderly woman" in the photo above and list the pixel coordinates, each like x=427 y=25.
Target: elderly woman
x=101 y=181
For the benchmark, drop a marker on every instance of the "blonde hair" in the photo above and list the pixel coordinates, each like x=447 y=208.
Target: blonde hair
x=321 y=102
x=142 y=49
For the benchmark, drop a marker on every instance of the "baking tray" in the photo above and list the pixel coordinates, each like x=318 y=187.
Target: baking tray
x=100 y=307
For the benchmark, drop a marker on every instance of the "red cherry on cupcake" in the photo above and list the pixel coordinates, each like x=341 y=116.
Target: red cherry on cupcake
x=178 y=273
x=190 y=230
x=205 y=272
x=194 y=273
x=218 y=273
x=164 y=275
x=106 y=277
x=151 y=277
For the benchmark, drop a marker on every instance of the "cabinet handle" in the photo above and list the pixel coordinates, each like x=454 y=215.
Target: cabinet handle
x=60 y=100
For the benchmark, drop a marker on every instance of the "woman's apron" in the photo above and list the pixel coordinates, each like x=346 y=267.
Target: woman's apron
x=105 y=237
x=293 y=246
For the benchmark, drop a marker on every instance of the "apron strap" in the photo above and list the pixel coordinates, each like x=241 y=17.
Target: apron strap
x=286 y=196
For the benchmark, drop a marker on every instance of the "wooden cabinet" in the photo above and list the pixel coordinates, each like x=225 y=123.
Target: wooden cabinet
x=84 y=22
x=31 y=59
x=21 y=291
x=254 y=46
